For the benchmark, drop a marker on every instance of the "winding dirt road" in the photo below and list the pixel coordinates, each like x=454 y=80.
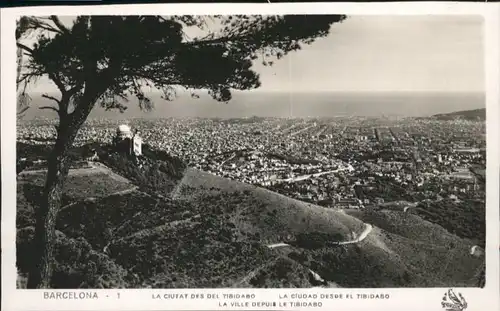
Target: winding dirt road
x=94 y=199
x=368 y=228
x=278 y=245
x=361 y=237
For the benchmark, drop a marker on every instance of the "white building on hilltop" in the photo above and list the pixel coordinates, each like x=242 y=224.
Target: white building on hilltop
x=124 y=131
x=136 y=144
x=128 y=141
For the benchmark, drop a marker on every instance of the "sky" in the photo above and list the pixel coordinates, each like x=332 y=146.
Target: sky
x=425 y=53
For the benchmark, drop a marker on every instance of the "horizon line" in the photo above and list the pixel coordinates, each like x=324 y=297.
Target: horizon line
x=461 y=92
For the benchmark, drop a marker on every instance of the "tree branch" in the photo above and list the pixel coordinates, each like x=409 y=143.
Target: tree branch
x=51 y=98
x=49 y=108
x=58 y=23
x=221 y=40
x=52 y=76
x=76 y=88
x=22 y=110
x=26 y=78
x=37 y=24
x=58 y=82
x=24 y=47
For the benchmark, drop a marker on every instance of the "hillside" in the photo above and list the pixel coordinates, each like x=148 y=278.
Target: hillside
x=256 y=210
x=389 y=257
x=423 y=247
x=471 y=115
x=148 y=222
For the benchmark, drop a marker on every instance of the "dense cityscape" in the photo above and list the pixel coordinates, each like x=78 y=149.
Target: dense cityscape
x=251 y=151
x=336 y=162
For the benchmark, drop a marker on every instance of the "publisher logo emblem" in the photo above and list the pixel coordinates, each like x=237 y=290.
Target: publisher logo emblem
x=453 y=302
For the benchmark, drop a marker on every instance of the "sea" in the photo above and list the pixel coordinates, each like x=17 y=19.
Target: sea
x=287 y=105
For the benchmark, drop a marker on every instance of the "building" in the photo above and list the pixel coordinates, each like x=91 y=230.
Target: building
x=128 y=141
x=123 y=132
x=136 y=144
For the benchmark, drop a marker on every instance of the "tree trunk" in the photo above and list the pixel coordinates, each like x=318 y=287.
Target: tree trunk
x=58 y=166
x=482 y=276
x=44 y=239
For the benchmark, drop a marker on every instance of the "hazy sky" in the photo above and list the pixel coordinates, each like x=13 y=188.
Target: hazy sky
x=382 y=53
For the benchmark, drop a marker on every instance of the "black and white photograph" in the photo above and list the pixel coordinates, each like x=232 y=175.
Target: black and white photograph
x=251 y=151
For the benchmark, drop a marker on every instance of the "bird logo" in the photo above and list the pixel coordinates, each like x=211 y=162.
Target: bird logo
x=453 y=302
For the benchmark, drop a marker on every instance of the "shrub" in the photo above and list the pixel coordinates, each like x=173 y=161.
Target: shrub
x=465 y=219
x=76 y=264
x=153 y=173
x=312 y=240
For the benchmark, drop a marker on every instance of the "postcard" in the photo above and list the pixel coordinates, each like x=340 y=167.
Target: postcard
x=251 y=157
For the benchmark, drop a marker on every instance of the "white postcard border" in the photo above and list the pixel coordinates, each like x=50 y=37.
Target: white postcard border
x=407 y=299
